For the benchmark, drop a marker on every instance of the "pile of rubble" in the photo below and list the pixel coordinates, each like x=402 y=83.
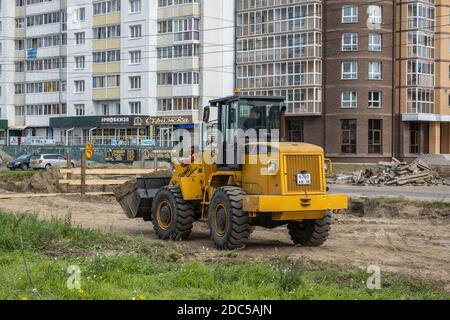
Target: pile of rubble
x=397 y=173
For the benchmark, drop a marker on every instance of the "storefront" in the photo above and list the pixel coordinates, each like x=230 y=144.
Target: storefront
x=118 y=130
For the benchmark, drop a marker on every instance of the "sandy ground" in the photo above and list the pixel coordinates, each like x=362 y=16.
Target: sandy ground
x=418 y=246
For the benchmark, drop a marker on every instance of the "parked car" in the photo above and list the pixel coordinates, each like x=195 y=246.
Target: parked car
x=22 y=163
x=46 y=161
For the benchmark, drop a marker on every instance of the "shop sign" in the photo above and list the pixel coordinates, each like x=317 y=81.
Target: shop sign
x=143 y=121
x=105 y=121
x=13 y=141
x=121 y=155
x=161 y=121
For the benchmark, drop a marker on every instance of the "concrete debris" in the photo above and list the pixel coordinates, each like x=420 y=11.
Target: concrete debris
x=397 y=173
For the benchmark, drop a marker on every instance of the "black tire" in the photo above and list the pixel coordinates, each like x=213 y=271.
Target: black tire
x=172 y=217
x=48 y=166
x=310 y=233
x=24 y=167
x=229 y=225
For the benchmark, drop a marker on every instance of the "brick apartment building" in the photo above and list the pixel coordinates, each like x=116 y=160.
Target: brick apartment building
x=350 y=84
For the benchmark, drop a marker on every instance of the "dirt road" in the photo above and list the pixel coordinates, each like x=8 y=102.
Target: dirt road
x=434 y=193
x=411 y=243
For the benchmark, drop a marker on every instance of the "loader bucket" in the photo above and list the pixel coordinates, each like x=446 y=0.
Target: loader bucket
x=136 y=196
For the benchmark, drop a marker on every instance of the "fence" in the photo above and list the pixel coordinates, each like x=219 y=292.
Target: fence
x=100 y=152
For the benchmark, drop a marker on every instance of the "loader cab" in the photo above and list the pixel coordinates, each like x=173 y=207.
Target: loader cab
x=244 y=114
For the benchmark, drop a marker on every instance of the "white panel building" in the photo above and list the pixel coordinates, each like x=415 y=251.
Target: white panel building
x=117 y=71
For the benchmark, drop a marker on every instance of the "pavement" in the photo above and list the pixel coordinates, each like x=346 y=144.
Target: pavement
x=433 y=193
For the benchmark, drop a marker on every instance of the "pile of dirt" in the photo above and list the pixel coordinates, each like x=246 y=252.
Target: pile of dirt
x=41 y=182
x=397 y=208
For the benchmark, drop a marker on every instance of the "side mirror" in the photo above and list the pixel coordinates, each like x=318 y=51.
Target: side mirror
x=206 y=113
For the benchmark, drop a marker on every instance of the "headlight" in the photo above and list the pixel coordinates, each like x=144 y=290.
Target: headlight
x=272 y=167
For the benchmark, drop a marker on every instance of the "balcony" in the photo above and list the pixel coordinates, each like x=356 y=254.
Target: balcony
x=306 y=108
x=261 y=55
x=106 y=94
x=420 y=101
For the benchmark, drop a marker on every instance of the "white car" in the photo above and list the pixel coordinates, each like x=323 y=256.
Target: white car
x=46 y=161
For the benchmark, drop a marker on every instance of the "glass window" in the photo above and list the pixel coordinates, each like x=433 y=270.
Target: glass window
x=349 y=42
x=374 y=70
x=375 y=14
x=374 y=99
x=349 y=13
x=349 y=99
x=348 y=136
x=349 y=70
x=374 y=42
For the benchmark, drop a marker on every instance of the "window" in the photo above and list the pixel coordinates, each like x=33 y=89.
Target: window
x=106 y=32
x=80 y=14
x=374 y=99
x=296 y=131
x=107 y=6
x=374 y=42
x=135 y=31
x=80 y=38
x=349 y=70
x=79 y=110
x=106 y=56
x=349 y=14
x=449 y=100
x=375 y=14
x=375 y=136
x=374 y=70
x=108 y=81
x=414 y=137
x=80 y=62
x=135 y=107
x=79 y=86
x=349 y=99
x=135 y=82
x=350 y=42
x=135 y=57
x=348 y=136
x=135 y=6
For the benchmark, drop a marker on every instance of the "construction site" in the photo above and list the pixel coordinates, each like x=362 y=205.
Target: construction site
x=306 y=227
x=398 y=215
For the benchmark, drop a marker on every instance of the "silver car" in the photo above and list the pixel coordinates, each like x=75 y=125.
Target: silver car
x=46 y=161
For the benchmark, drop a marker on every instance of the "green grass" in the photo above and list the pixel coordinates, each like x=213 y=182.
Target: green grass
x=119 y=267
x=17 y=173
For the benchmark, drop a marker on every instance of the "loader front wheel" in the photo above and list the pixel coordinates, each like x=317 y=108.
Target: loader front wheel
x=172 y=217
x=310 y=233
x=229 y=225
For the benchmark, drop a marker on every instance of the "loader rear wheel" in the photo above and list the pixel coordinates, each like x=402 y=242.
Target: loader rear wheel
x=310 y=233
x=229 y=225
x=172 y=217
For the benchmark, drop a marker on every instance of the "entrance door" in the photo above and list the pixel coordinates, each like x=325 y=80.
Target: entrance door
x=165 y=137
x=2 y=137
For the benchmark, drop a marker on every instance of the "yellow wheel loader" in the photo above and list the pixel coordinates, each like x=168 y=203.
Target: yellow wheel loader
x=241 y=183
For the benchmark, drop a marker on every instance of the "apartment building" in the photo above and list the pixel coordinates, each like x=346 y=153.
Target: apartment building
x=350 y=84
x=358 y=80
x=115 y=71
x=279 y=52
x=33 y=68
x=423 y=85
